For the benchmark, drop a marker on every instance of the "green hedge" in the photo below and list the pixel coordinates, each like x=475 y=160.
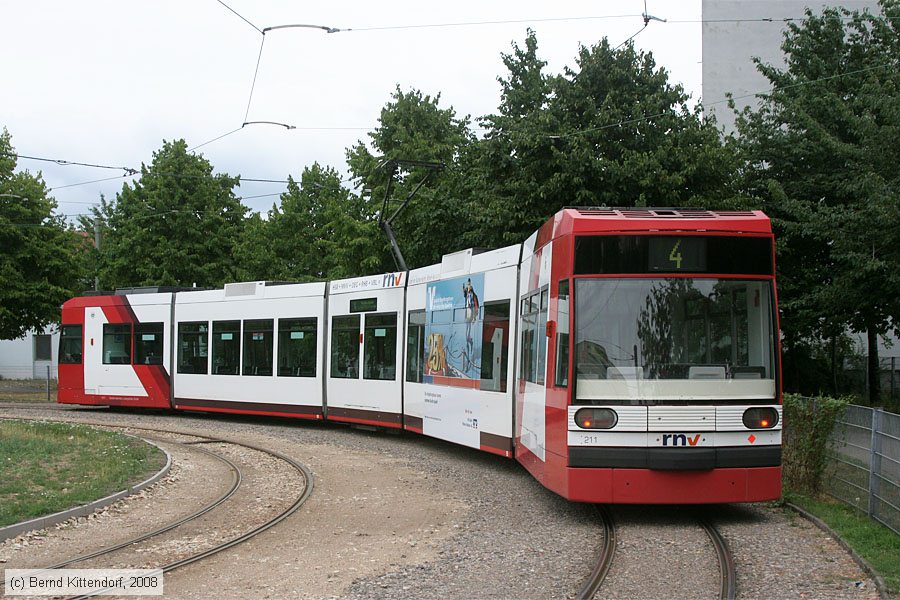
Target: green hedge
x=808 y=422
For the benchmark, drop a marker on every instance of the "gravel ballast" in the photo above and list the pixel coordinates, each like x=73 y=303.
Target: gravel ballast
x=404 y=516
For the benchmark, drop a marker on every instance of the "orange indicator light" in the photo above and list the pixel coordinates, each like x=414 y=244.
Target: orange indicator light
x=587 y=423
x=764 y=423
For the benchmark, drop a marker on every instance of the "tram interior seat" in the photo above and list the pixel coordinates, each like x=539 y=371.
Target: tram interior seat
x=748 y=372
x=625 y=373
x=706 y=372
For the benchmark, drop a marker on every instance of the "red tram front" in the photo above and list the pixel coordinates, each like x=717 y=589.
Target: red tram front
x=648 y=357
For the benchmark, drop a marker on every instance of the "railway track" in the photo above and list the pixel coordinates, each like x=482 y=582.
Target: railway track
x=237 y=480
x=727 y=573
x=726 y=561
x=604 y=561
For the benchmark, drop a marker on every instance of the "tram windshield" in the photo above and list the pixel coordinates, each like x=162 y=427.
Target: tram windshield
x=674 y=339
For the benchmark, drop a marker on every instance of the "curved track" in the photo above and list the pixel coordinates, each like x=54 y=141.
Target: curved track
x=726 y=561
x=728 y=577
x=304 y=472
x=604 y=561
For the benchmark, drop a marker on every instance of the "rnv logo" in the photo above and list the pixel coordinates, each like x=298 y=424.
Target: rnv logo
x=679 y=439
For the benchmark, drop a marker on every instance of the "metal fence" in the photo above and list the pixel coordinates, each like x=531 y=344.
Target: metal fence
x=31 y=385
x=864 y=463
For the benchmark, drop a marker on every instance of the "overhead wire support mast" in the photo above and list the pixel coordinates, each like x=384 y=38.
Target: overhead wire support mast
x=385 y=224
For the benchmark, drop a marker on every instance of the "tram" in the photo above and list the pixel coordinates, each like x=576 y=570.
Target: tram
x=619 y=355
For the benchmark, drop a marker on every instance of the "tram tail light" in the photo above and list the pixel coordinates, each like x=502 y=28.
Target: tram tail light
x=596 y=418
x=760 y=418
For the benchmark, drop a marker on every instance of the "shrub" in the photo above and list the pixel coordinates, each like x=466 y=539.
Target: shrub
x=808 y=423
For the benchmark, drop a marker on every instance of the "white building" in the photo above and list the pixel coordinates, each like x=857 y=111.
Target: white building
x=29 y=357
x=734 y=32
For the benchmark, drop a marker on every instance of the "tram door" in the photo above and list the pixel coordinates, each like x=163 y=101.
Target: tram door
x=364 y=354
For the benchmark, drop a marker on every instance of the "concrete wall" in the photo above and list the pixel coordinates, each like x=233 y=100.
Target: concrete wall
x=729 y=47
x=17 y=357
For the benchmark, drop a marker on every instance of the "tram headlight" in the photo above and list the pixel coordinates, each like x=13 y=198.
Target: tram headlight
x=760 y=418
x=596 y=418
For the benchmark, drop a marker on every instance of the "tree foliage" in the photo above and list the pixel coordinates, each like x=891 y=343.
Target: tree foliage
x=823 y=155
x=178 y=224
x=319 y=231
x=612 y=131
x=42 y=261
x=413 y=126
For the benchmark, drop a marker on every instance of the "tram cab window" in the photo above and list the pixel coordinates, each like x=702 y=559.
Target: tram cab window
x=534 y=330
x=226 y=347
x=495 y=346
x=561 y=369
x=193 y=348
x=259 y=344
x=541 y=336
x=380 y=357
x=148 y=344
x=415 y=346
x=70 y=345
x=116 y=343
x=345 y=347
x=297 y=347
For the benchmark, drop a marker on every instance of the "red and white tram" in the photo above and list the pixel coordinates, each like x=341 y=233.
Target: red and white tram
x=620 y=355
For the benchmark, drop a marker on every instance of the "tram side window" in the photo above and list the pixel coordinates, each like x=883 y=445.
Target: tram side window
x=226 y=347
x=148 y=344
x=528 y=349
x=193 y=348
x=70 y=345
x=380 y=358
x=259 y=344
x=415 y=346
x=345 y=347
x=562 y=337
x=495 y=346
x=541 y=336
x=116 y=344
x=297 y=347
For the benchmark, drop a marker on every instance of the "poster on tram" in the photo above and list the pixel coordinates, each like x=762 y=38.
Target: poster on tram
x=453 y=328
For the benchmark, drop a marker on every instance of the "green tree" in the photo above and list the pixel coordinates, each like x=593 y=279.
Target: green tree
x=413 y=126
x=610 y=132
x=178 y=224
x=320 y=231
x=42 y=261
x=823 y=152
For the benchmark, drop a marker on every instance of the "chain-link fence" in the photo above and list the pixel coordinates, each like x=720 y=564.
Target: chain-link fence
x=864 y=463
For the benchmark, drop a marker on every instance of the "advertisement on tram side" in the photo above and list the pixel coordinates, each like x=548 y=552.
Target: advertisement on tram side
x=453 y=330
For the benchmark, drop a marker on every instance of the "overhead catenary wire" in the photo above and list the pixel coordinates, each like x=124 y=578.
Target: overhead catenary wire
x=244 y=19
x=133 y=171
x=262 y=44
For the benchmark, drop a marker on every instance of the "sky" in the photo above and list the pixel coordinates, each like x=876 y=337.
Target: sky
x=105 y=82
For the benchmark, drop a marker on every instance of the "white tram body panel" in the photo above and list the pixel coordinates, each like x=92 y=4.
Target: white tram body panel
x=460 y=321
x=230 y=355
x=364 y=358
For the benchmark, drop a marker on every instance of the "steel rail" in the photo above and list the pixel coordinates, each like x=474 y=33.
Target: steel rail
x=237 y=478
x=302 y=469
x=604 y=561
x=726 y=561
x=299 y=467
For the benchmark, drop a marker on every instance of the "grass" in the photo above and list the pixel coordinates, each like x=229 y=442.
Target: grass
x=26 y=390
x=36 y=397
x=49 y=467
x=877 y=544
